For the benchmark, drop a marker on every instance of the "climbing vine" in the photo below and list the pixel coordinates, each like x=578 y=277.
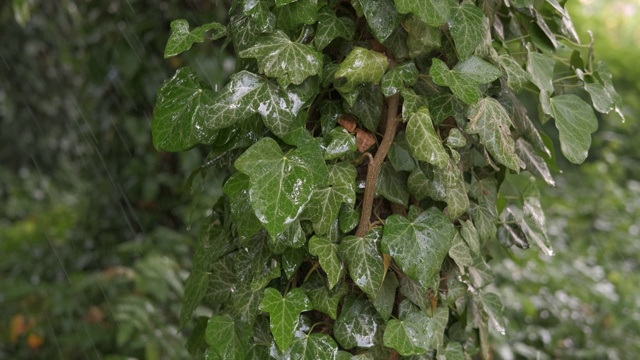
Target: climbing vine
x=375 y=152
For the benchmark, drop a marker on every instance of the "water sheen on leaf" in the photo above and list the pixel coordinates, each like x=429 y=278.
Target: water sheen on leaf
x=181 y=38
x=365 y=263
x=331 y=27
x=382 y=17
x=361 y=66
x=464 y=78
x=284 y=313
x=423 y=141
x=357 y=324
x=432 y=12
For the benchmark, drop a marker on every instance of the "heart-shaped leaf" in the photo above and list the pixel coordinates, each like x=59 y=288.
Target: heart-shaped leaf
x=284 y=313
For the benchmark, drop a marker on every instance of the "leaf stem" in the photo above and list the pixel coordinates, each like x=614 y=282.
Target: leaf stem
x=374 y=167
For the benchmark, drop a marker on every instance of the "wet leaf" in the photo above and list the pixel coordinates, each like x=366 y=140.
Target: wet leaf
x=491 y=122
x=460 y=253
x=411 y=103
x=463 y=80
x=398 y=78
x=327 y=253
x=492 y=305
x=284 y=313
x=227 y=337
x=357 y=324
x=387 y=296
x=399 y=155
x=419 y=246
x=470 y=236
x=367 y=106
x=348 y=218
x=331 y=27
x=392 y=185
x=180 y=114
x=424 y=142
x=381 y=16
x=415 y=292
x=244 y=220
x=297 y=13
x=467 y=27
x=341 y=144
x=534 y=224
x=456 y=138
x=432 y=12
x=287 y=61
x=575 y=121
x=421 y=38
x=181 y=38
x=314 y=347
x=361 y=66
x=365 y=263
x=323 y=299
x=293 y=177
x=416 y=332
x=443 y=106
x=601 y=99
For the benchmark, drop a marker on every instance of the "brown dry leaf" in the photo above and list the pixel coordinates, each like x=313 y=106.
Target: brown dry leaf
x=365 y=140
x=348 y=122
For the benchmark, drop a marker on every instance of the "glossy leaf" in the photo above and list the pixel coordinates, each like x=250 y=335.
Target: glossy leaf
x=421 y=38
x=361 y=66
x=464 y=79
x=331 y=27
x=323 y=299
x=314 y=347
x=367 y=106
x=392 y=185
x=460 y=253
x=534 y=224
x=287 y=61
x=364 y=261
x=357 y=324
x=601 y=99
x=327 y=253
x=467 y=27
x=180 y=114
x=386 y=298
x=423 y=141
x=419 y=246
x=297 y=13
x=399 y=155
x=182 y=39
x=244 y=220
x=432 y=12
x=227 y=337
x=284 y=313
x=575 y=121
x=491 y=122
x=396 y=79
x=281 y=185
x=492 y=305
x=416 y=332
x=517 y=77
x=381 y=16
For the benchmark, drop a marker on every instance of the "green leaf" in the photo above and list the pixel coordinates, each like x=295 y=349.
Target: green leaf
x=341 y=144
x=464 y=79
x=456 y=138
x=484 y=221
x=601 y=99
x=409 y=335
x=415 y=292
x=244 y=220
x=470 y=235
x=534 y=224
x=181 y=38
x=327 y=253
x=323 y=299
x=540 y=67
x=491 y=122
x=381 y=16
x=419 y=246
x=324 y=206
x=422 y=38
x=300 y=12
x=575 y=121
x=411 y=102
x=227 y=337
x=517 y=77
x=467 y=27
x=454 y=351
x=314 y=347
x=392 y=185
x=433 y=12
x=396 y=79
x=284 y=313
x=245 y=302
x=443 y=106
x=521 y=121
x=331 y=27
x=222 y=281
x=348 y=218
x=361 y=66
x=281 y=184
x=492 y=305
x=357 y=324
x=460 y=253
x=180 y=114
x=399 y=155
x=292 y=238
x=292 y=258
x=387 y=296
x=418 y=184
x=287 y=61
x=424 y=142
x=364 y=261
x=535 y=164
x=448 y=185
x=367 y=106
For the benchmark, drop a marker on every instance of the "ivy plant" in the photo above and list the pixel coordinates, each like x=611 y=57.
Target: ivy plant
x=374 y=152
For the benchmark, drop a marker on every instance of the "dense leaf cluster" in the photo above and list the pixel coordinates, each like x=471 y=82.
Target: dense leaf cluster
x=367 y=143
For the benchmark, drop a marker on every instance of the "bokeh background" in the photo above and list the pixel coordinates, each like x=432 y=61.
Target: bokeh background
x=97 y=227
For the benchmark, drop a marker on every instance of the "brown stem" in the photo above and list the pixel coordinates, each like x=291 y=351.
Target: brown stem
x=374 y=166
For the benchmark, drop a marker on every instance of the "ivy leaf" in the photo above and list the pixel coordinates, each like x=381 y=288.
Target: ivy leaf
x=292 y=238
x=448 y=185
x=392 y=185
x=470 y=235
x=297 y=13
x=460 y=253
x=396 y=79
x=491 y=122
x=534 y=162
x=341 y=144
x=314 y=347
x=480 y=273
x=327 y=253
x=423 y=141
x=361 y=66
x=284 y=313
x=421 y=38
x=222 y=281
x=227 y=337
x=575 y=121
x=367 y=106
x=467 y=27
x=534 y=224
x=281 y=185
x=443 y=106
x=181 y=38
x=387 y=297
x=324 y=206
x=456 y=138
x=415 y=292
x=416 y=332
x=287 y=61
x=419 y=246
x=365 y=263
x=331 y=27
x=433 y=12
x=381 y=16
x=399 y=155
x=492 y=305
x=411 y=102
x=601 y=99
x=244 y=220
x=540 y=67
x=454 y=351
x=464 y=79
x=323 y=299
x=357 y=324
x=521 y=121
x=180 y=113
x=245 y=302
x=517 y=77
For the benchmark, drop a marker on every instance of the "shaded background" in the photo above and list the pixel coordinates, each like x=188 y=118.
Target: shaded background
x=97 y=227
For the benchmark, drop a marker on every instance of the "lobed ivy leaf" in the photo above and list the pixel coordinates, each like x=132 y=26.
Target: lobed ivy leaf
x=575 y=121
x=443 y=106
x=447 y=185
x=222 y=280
x=424 y=142
x=415 y=292
x=284 y=313
x=361 y=66
x=464 y=78
x=297 y=13
x=467 y=27
x=180 y=114
x=365 y=263
x=419 y=246
x=491 y=122
x=454 y=351
x=287 y=61
x=480 y=273
x=411 y=102
x=416 y=332
x=421 y=38
x=381 y=16
x=460 y=253
x=323 y=299
x=245 y=302
x=327 y=253
x=227 y=337
x=470 y=235
x=281 y=185
x=517 y=77
x=292 y=238
x=314 y=347
x=398 y=78
x=540 y=67
x=331 y=27
x=341 y=144
x=357 y=324
x=182 y=39
x=432 y=12
x=456 y=138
